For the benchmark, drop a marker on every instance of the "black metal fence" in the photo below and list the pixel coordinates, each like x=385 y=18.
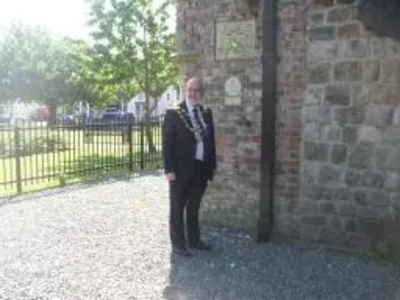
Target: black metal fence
x=37 y=155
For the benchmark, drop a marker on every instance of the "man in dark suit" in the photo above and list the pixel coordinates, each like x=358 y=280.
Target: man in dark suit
x=189 y=163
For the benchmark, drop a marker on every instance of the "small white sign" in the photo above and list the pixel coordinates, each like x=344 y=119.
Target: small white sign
x=233 y=91
x=233 y=87
x=232 y=100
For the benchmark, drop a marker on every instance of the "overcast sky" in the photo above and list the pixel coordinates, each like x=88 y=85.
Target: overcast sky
x=61 y=17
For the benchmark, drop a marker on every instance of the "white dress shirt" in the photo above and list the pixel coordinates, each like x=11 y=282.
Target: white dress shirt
x=200 y=145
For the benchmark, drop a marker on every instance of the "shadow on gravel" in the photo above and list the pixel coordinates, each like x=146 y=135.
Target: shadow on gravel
x=241 y=269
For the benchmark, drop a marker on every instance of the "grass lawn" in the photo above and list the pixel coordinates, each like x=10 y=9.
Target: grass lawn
x=78 y=156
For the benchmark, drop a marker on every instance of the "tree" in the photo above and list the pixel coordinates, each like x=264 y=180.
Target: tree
x=133 y=44
x=36 y=66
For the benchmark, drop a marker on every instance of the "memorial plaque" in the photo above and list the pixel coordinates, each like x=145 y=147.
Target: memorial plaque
x=233 y=91
x=235 y=39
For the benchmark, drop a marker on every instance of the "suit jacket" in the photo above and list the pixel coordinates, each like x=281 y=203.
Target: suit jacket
x=179 y=142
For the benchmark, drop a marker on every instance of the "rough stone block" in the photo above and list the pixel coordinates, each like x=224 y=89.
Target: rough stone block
x=310 y=132
x=360 y=197
x=391 y=72
x=357 y=241
x=349 y=115
x=309 y=173
x=365 y=212
x=308 y=207
x=350 y=134
x=336 y=223
x=379 y=199
x=378 y=115
x=322 y=51
x=316 y=220
x=380 y=157
x=315 y=151
x=316 y=18
x=316 y=114
x=371 y=228
x=369 y=134
x=360 y=156
x=327 y=208
x=314 y=95
x=371 y=71
x=348 y=210
x=362 y=94
x=391 y=136
x=395 y=201
x=337 y=94
x=389 y=94
x=342 y=194
x=320 y=73
x=396 y=116
x=317 y=192
x=372 y=180
x=352 y=178
x=339 y=154
x=330 y=175
x=359 y=48
x=348 y=71
x=342 y=14
x=385 y=48
x=394 y=161
x=345 y=2
x=322 y=3
x=348 y=31
x=322 y=33
x=331 y=133
x=350 y=225
x=331 y=237
x=307 y=190
x=392 y=181
x=310 y=233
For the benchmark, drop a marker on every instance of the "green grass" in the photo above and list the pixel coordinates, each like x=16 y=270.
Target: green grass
x=87 y=155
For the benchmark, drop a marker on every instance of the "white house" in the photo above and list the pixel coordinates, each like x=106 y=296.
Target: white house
x=167 y=99
x=18 y=110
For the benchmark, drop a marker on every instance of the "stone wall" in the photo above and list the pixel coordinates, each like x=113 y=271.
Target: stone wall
x=337 y=168
x=350 y=170
x=232 y=199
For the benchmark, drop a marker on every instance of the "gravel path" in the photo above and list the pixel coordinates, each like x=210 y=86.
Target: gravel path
x=110 y=241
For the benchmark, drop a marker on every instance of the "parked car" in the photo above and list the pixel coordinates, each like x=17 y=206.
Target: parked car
x=116 y=117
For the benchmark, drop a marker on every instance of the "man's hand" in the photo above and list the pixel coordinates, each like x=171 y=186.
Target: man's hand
x=170 y=176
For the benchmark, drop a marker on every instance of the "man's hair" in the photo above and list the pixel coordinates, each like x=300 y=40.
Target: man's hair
x=194 y=78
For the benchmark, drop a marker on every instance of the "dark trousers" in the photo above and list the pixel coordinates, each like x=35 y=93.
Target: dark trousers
x=185 y=196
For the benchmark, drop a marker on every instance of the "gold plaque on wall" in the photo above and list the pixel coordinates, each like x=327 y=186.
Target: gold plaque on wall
x=235 y=39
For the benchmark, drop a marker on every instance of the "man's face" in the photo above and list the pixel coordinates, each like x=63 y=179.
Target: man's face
x=193 y=92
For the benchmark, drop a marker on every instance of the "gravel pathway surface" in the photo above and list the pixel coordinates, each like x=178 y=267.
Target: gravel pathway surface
x=110 y=241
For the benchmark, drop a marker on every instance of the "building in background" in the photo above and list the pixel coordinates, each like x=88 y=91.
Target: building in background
x=166 y=100
x=336 y=169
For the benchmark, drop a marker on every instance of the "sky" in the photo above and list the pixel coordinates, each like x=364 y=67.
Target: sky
x=61 y=17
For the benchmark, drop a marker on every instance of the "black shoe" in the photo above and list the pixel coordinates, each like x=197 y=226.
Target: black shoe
x=200 y=246
x=181 y=251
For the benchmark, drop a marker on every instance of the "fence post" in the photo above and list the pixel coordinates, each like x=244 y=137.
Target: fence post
x=130 y=145
x=17 y=151
x=142 y=133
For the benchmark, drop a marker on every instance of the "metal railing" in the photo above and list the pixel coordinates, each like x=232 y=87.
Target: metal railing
x=37 y=155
